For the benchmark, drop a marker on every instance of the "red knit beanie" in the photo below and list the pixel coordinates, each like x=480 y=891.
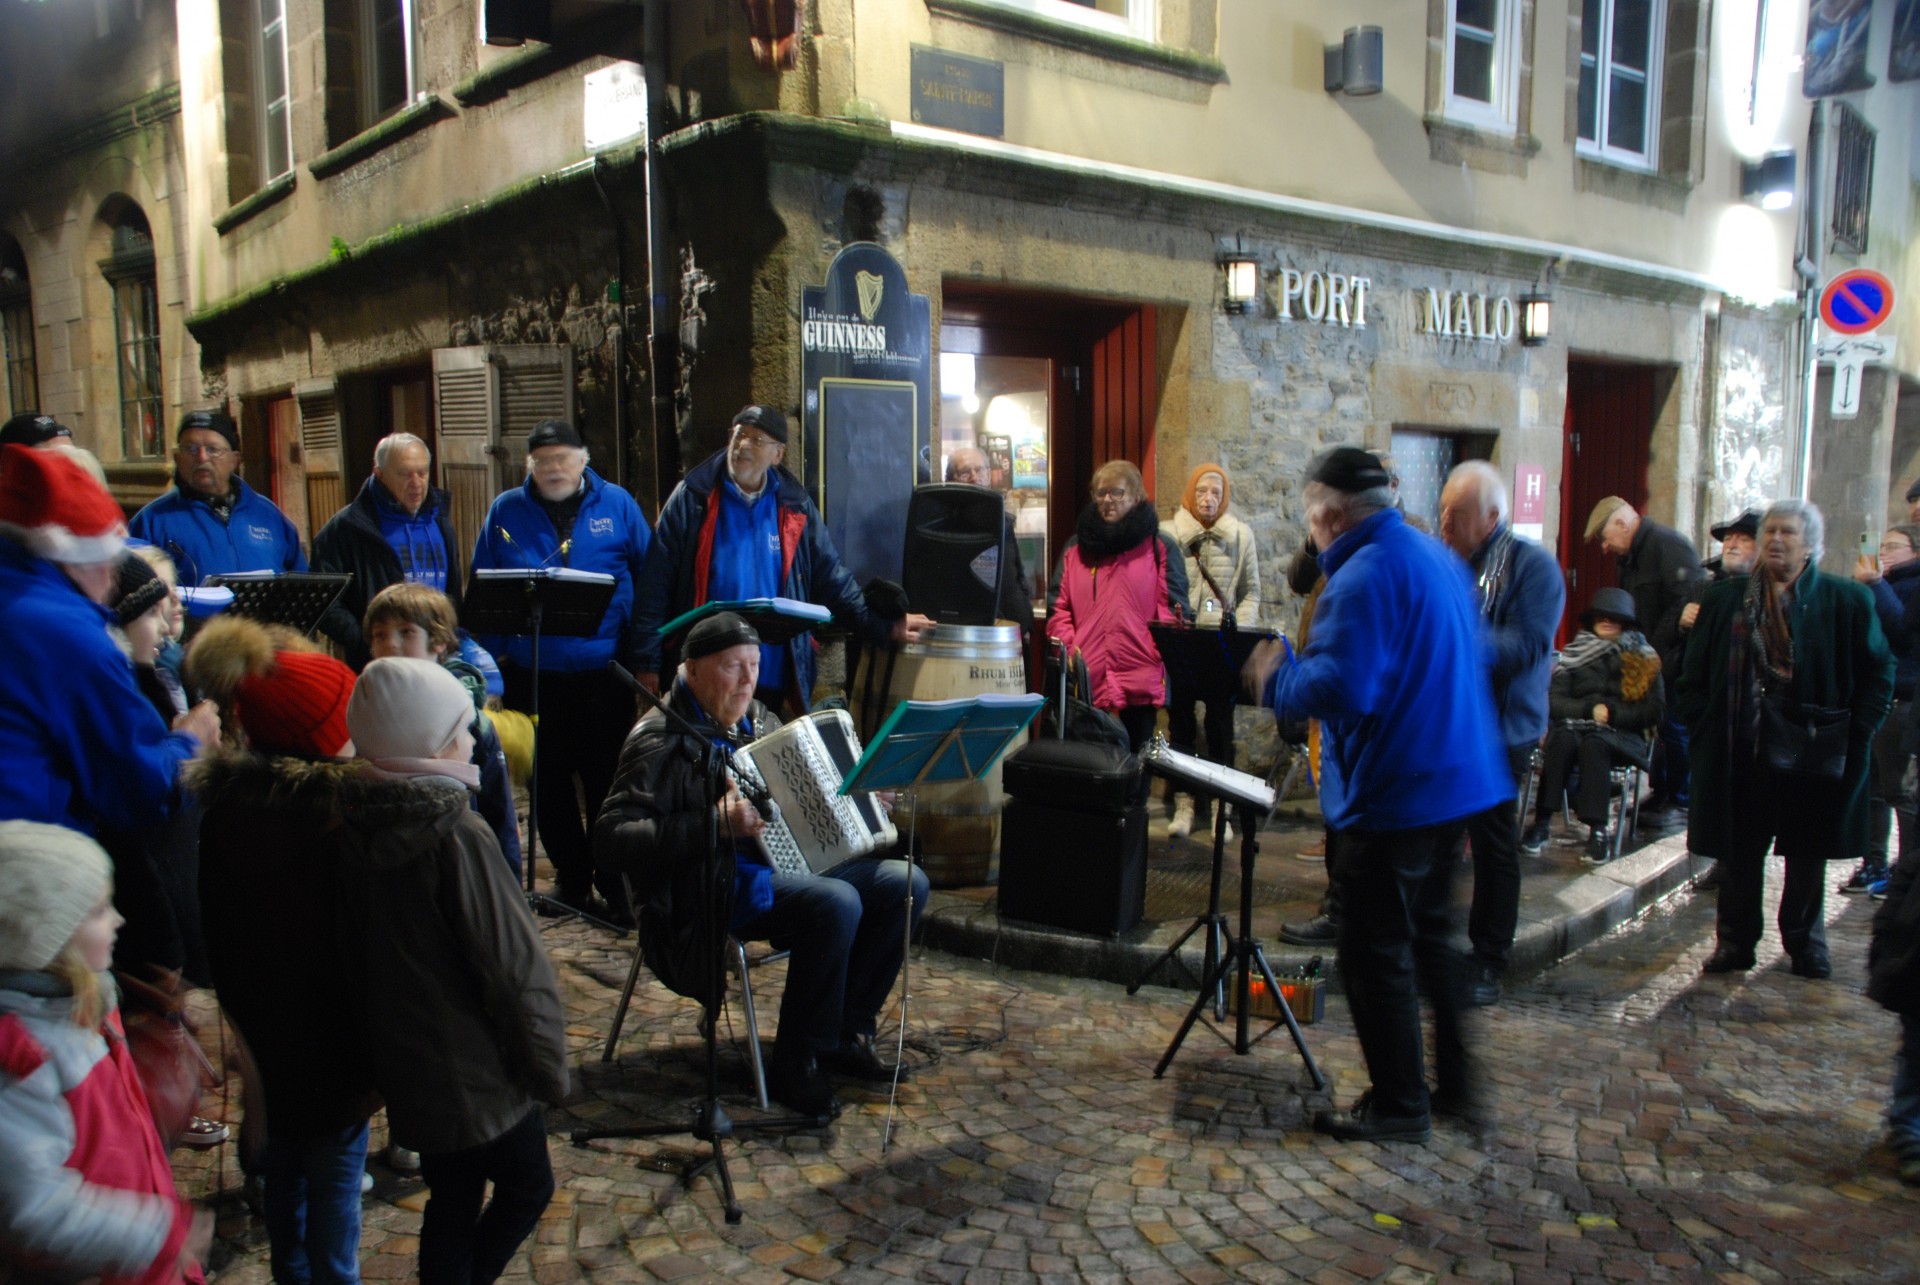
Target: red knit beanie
x=56 y=509
x=287 y=702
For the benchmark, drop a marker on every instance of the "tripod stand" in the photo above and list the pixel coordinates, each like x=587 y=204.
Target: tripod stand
x=1240 y=957
x=1215 y=924
x=545 y=600
x=708 y=1122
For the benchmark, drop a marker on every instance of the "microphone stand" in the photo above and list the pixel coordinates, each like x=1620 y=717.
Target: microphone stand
x=709 y=1122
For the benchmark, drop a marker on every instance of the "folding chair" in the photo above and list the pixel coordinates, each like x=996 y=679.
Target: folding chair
x=739 y=962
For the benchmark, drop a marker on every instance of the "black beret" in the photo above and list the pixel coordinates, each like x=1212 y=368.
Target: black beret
x=721 y=630
x=1747 y=524
x=766 y=419
x=1349 y=469
x=553 y=432
x=215 y=421
x=30 y=428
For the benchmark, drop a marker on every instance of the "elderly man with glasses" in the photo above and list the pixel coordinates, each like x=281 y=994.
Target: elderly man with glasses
x=211 y=523
x=741 y=526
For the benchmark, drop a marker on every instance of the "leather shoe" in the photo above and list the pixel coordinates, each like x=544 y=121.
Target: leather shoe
x=1727 y=959
x=799 y=1085
x=1813 y=966
x=1321 y=930
x=856 y=1059
x=1359 y=1123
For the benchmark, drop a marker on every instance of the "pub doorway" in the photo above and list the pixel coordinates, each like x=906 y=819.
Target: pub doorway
x=1612 y=410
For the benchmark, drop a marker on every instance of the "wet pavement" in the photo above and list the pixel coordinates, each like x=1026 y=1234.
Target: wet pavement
x=1646 y=1125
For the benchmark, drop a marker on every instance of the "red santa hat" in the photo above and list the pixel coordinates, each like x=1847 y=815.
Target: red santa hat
x=51 y=505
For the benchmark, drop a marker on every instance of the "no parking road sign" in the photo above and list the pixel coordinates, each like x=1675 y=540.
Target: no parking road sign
x=1857 y=301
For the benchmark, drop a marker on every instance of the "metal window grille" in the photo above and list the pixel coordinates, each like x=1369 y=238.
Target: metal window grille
x=1852 y=180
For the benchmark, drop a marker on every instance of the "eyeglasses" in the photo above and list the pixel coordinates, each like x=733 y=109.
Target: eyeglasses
x=1113 y=493
x=200 y=452
x=1895 y=546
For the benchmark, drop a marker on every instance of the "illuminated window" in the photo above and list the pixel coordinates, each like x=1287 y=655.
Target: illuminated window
x=1620 y=56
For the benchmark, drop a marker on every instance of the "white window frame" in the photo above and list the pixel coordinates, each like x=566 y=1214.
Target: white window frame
x=1503 y=112
x=1602 y=70
x=263 y=34
x=1138 y=23
x=371 y=113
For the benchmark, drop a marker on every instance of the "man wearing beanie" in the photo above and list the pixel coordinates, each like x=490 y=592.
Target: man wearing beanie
x=1410 y=749
x=741 y=526
x=212 y=523
x=568 y=516
x=846 y=927
x=87 y=749
x=1223 y=589
x=462 y=1011
x=85 y=1186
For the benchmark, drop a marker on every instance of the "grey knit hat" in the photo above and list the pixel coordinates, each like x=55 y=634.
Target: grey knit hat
x=406 y=709
x=53 y=878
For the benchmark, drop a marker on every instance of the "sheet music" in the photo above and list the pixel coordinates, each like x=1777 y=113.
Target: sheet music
x=1231 y=784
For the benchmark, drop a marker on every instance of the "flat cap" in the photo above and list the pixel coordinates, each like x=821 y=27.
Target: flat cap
x=1747 y=524
x=1601 y=512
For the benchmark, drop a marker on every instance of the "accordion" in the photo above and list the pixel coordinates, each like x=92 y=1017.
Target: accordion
x=802 y=766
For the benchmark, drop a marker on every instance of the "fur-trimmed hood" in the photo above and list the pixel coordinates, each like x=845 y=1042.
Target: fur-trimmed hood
x=387 y=821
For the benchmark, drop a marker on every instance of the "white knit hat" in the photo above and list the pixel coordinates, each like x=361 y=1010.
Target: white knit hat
x=51 y=878
x=406 y=709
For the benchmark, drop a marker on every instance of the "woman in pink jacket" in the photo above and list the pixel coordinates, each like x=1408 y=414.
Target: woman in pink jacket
x=1117 y=576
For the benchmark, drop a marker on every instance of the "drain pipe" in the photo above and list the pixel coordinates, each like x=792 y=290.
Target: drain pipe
x=1807 y=266
x=619 y=331
x=660 y=329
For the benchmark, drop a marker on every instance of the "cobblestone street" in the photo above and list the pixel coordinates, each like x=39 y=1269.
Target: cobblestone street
x=1648 y=1126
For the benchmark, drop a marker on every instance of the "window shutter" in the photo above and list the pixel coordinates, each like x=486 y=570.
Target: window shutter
x=320 y=445
x=466 y=409
x=536 y=383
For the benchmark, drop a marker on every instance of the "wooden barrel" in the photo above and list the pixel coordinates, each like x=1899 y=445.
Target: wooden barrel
x=956 y=827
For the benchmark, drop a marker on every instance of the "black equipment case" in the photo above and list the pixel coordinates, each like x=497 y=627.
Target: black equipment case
x=1072 y=774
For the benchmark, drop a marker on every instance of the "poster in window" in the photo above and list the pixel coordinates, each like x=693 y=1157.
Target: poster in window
x=1030 y=465
x=1903 y=59
x=1837 y=48
x=998 y=448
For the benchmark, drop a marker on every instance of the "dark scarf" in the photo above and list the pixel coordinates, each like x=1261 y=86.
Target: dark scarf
x=1103 y=541
x=222 y=505
x=1491 y=568
x=1769 y=632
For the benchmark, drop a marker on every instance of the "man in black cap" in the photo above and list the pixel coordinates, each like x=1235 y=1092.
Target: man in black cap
x=1410 y=749
x=31 y=428
x=568 y=516
x=846 y=928
x=741 y=526
x=212 y=523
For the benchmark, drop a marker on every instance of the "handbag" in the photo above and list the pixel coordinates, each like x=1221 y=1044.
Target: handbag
x=1803 y=740
x=173 y=1070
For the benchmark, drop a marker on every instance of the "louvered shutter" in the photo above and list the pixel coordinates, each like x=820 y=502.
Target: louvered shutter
x=320 y=446
x=466 y=408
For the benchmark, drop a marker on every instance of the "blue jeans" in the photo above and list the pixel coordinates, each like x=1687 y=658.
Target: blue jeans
x=1903 y=1109
x=462 y=1243
x=847 y=931
x=313 y=1207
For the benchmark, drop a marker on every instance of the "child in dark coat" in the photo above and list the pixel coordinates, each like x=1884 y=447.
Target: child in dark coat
x=417 y=623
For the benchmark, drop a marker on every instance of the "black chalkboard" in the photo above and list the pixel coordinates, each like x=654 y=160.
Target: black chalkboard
x=867 y=453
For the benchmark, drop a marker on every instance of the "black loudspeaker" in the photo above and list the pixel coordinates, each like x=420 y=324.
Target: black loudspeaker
x=1067 y=868
x=951 y=569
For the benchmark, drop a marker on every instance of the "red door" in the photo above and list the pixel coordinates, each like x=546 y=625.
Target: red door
x=1609 y=431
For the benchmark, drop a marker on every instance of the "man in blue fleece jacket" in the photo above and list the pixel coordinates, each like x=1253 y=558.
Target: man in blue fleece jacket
x=1409 y=751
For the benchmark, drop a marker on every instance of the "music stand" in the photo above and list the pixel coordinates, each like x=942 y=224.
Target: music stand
x=1240 y=955
x=554 y=600
x=935 y=742
x=1208 y=663
x=709 y=1122
x=296 y=599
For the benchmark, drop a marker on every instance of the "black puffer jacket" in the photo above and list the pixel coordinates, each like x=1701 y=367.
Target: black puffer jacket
x=1625 y=677
x=653 y=829
x=1893 y=960
x=328 y=888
